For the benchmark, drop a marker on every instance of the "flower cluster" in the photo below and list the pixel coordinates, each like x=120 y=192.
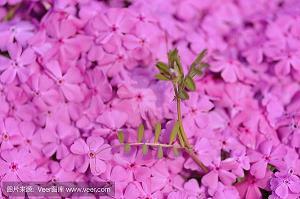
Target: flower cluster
x=75 y=72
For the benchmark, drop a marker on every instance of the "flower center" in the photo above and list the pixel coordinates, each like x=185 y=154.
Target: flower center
x=5 y=137
x=14 y=166
x=141 y=17
x=92 y=155
x=60 y=81
x=114 y=28
x=14 y=64
x=139 y=97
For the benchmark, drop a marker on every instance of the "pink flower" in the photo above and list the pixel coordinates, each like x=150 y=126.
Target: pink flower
x=21 y=31
x=68 y=82
x=220 y=171
x=57 y=140
x=226 y=192
x=31 y=139
x=142 y=100
x=9 y=132
x=249 y=188
x=42 y=87
x=110 y=26
x=109 y=123
x=267 y=153
x=64 y=38
x=95 y=152
x=284 y=184
x=17 y=165
x=19 y=64
x=230 y=71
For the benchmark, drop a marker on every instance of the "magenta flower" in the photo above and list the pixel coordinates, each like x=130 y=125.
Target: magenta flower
x=95 y=152
x=9 y=132
x=64 y=38
x=68 y=82
x=42 y=88
x=21 y=31
x=249 y=188
x=267 y=153
x=285 y=184
x=230 y=71
x=221 y=170
x=109 y=27
x=31 y=139
x=57 y=140
x=17 y=165
x=18 y=65
x=109 y=123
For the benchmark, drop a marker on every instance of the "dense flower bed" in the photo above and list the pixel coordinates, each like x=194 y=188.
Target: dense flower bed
x=75 y=72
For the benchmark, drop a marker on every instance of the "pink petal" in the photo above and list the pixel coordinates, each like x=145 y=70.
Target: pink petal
x=142 y=173
x=73 y=75
x=4 y=63
x=72 y=92
x=104 y=152
x=94 y=142
x=258 y=169
x=228 y=74
x=210 y=180
x=294 y=186
x=8 y=75
x=68 y=162
x=253 y=193
x=14 y=50
x=11 y=126
x=97 y=166
x=25 y=174
x=23 y=74
x=27 y=129
x=4 y=167
x=192 y=186
x=282 y=191
x=132 y=191
x=115 y=174
x=67 y=29
x=282 y=68
x=28 y=56
x=49 y=149
x=54 y=68
x=266 y=147
x=226 y=177
x=62 y=151
x=79 y=147
x=157 y=183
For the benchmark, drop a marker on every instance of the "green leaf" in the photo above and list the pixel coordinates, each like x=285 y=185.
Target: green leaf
x=140 y=133
x=157 y=132
x=174 y=132
x=190 y=84
x=172 y=57
x=162 y=67
x=161 y=77
x=160 y=153
x=199 y=58
x=178 y=67
x=121 y=136
x=182 y=94
x=144 y=149
x=180 y=139
x=127 y=148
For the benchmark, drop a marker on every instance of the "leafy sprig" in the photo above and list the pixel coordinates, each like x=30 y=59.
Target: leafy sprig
x=182 y=84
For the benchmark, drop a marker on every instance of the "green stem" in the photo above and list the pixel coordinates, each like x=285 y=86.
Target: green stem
x=187 y=146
